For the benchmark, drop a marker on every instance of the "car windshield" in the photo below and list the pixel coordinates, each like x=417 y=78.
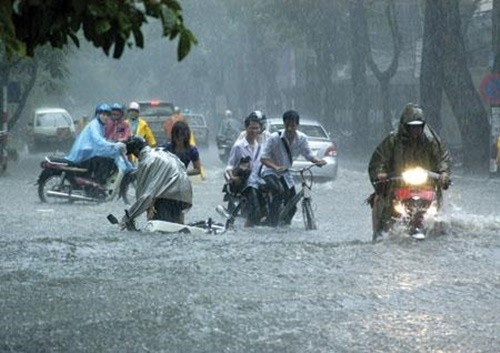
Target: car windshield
x=195 y=120
x=159 y=109
x=314 y=131
x=53 y=120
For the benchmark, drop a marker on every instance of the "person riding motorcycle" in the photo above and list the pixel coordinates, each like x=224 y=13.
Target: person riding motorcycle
x=243 y=168
x=163 y=187
x=139 y=126
x=414 y=144
x=170 y=122
x=117 y=129
x=91 y=150
x=263 y=134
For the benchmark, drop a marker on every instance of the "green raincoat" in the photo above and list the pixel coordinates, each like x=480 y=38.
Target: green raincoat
x=398 y=152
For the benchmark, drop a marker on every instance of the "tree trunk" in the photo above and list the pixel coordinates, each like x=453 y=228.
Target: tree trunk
x=384 y=77
x=358 y=77
x=462 y=94
x=495 y=19
x=431 y=71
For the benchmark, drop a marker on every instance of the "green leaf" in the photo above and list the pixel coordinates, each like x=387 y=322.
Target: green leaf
x=102 y=26
x=184 y=46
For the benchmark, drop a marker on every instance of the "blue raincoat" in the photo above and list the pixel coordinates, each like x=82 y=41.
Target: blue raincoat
x=91 y=143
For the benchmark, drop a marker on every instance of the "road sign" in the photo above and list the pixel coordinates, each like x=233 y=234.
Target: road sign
x=489 y=88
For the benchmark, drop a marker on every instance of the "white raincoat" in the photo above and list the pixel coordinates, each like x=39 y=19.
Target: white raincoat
x=160 y=174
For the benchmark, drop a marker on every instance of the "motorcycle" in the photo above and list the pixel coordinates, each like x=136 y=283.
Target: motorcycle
x=416 y=201
x=224 y=146
x=61 y=179
x=3 y=151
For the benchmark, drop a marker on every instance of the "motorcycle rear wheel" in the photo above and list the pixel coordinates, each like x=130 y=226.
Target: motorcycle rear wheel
x=52 y=182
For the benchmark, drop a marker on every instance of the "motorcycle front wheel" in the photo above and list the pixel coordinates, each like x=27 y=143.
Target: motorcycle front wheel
x=50 y=181
x=127 y=188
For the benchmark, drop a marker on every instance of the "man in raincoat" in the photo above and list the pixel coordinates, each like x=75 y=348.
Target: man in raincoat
x=163 y=187
x=92 y=151
x=414 y=144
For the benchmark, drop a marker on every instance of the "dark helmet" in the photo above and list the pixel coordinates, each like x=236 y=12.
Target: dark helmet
x=135 y=145
x=412 y=115
x=118 y=106
x=259 y=115
x=103 y=108
x=291 y=115
x=255 y=116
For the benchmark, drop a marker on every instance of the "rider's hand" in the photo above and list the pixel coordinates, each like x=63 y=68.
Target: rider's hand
x=127 y=223
x=122 y=147
x=320 y=162
x=444 y=180
x=279 y=169
x=382 y=176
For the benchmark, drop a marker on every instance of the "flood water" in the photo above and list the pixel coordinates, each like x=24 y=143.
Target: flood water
x=72 y=282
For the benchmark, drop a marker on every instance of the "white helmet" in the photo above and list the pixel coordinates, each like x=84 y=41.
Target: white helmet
x=228 y=113
x=133 y=106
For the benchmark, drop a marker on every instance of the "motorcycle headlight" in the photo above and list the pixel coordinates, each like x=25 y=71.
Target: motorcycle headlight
x=415 y=176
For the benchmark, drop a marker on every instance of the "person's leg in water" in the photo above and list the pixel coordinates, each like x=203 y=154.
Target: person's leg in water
x=381 y=215
x=252 y=206
x=101 y=168
x=168 y=210
x=289 y=194
x=276 y=192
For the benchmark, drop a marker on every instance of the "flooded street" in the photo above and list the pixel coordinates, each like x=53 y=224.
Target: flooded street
x=72 y=282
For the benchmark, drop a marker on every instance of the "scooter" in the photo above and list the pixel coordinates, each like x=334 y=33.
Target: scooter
x=62 y=180
x=416 y=200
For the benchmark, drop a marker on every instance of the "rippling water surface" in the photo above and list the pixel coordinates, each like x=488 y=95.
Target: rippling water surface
x=71 y=282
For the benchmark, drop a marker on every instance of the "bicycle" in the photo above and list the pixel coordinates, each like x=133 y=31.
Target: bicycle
x=304 y=194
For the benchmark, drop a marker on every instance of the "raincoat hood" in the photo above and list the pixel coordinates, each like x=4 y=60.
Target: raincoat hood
x=411 y=114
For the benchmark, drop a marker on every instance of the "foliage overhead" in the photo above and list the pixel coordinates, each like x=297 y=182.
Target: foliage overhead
x=28 y=24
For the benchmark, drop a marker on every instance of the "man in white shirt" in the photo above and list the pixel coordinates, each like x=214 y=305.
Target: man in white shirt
x=277 y=157
x=243 y=169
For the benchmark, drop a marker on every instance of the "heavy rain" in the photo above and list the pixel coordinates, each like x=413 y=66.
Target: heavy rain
x=73 y=282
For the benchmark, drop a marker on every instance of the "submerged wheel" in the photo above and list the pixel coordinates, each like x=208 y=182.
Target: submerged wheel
x=52 y=182
x=308 y=215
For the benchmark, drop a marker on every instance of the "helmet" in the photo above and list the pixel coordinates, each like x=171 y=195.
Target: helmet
x=228 y=113
x=261 y=118
x=103 y=108
x=412 y=115
x=252 y=118
x=117 y=106
x=177 y=110
x=135 y=145
x=133 y=106
x=291 y=115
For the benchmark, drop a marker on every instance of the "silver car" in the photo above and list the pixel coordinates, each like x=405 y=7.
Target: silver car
x=320 y=142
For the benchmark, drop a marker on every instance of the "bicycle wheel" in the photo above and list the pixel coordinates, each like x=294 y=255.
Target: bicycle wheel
x=308 y=215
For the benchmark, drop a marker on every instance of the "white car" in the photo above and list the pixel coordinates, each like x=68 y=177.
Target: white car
x=320 y=142
x=51 y=128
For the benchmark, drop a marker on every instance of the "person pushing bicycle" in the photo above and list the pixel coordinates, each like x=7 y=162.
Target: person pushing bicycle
x=277 y=158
